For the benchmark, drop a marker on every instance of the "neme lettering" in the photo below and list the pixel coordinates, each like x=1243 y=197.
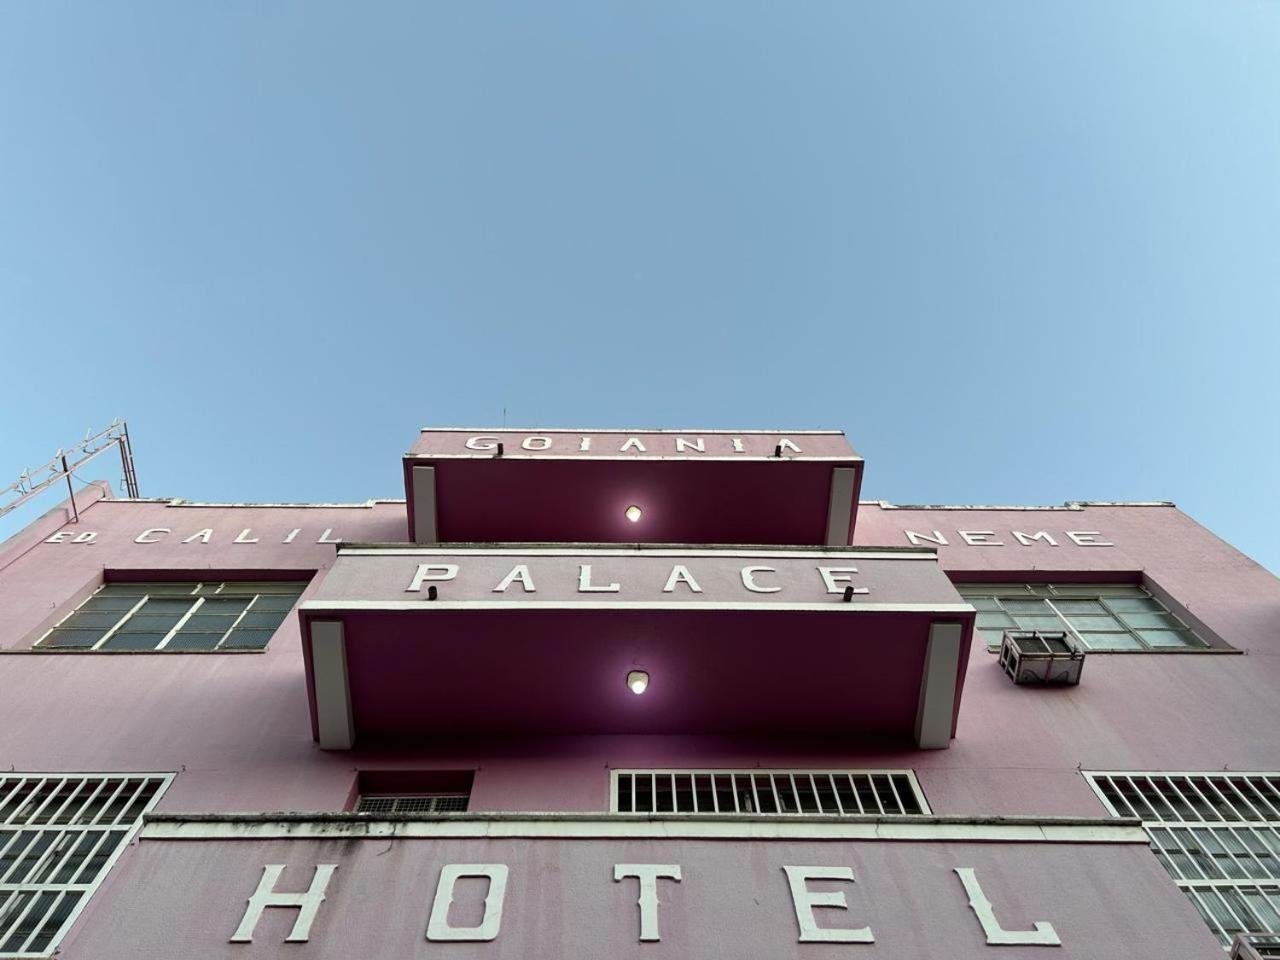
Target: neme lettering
x=995 y=538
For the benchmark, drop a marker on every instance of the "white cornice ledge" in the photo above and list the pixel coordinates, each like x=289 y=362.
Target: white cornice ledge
x=594 y=826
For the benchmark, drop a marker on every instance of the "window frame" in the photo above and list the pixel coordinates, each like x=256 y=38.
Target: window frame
x=1051 y=593
x=1177 y=841
x=86 y=890
x=197 y=591
x=772 y=772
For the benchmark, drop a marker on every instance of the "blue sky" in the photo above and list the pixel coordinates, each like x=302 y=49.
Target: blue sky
x=1020 y=252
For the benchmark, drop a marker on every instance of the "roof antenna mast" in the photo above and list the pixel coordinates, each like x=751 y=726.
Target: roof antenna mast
x=64 y=463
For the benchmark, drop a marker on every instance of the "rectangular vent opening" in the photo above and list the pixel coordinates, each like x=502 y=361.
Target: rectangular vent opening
x=411 y=804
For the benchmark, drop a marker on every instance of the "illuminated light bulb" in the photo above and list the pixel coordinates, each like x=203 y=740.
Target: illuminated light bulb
x=634 y=513
x=638 y=681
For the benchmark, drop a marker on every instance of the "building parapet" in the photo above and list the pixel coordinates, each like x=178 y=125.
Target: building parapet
x=582 y=826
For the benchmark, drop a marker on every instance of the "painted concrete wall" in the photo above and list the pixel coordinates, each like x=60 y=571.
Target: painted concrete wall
x=237 y=725
x=236 y=728
x=732 y=902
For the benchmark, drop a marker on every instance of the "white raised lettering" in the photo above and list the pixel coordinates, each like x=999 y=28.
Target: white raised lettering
x=326 y=538
x=915 y=539
x=980 y=538
x=1042 y=936
x=542 y=443
x=1086 y=538
x=585 y=585
x=204 y=536
x=292 y=533
x=60 y=537
x=737 y=445
x=149 y=535
x=749 y=579
x=632 y=443
x=431 y=571
x=680 y=574
x=482 y=443
x=837 y=578
x=243 y=536
x=804 y=900
x=584 y=445
x=784 y=445
x=1027 y=539
x=519 y=572
x=307 y=903
x=88 y=536
x=699 y=445
x=648 y=875
x=438 y=927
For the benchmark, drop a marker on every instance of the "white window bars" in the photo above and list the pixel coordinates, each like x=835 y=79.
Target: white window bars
x=776 y=792
x=1218 y=835
x=59 y=835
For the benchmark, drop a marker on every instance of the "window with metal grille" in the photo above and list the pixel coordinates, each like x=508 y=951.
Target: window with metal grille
x=176 y=617
x=1256 y=946
x=59 y=835
x=419 y=803
x=1118 y=616
x=1218 y=835
x=842 y=792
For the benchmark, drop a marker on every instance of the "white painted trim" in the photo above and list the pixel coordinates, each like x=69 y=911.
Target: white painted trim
x=600 y=827
x=1069 y=505
x=1181 y=773
x=834 y=605
x=180 y=502
x=840 y=505
x=594 y=458
x=907 y=553
x=333 y=692
x=639 y=431
x=938 y=686
x=423 y=482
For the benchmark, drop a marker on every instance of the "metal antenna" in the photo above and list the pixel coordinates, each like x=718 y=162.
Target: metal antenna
x=33 y=481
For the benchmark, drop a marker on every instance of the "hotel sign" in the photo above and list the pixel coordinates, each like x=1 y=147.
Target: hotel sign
x=622 y=577
x=591 y=887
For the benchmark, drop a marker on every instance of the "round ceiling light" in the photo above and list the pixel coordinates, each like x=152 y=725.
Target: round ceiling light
x=634 y=513
x=637 y=682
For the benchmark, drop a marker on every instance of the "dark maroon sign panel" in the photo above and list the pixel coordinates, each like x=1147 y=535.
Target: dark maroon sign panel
x=688 y=488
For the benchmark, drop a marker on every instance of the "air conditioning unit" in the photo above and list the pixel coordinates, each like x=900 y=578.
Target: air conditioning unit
x=1040 y=657
x=1256 y=946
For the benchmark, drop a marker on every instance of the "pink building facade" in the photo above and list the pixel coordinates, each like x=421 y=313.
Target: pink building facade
x=653 y=694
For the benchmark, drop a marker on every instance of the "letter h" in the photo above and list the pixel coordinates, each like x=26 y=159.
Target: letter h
x=307 y=903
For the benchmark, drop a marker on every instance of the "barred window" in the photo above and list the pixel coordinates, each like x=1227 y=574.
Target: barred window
x=176 y=617
x=1218 y=835
x=1096 y=616
x=1257 y=946
x=783 y=792
x=413 y=803
x=59 y=834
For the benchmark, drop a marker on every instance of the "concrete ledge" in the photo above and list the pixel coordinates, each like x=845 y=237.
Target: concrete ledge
x=591 y=826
